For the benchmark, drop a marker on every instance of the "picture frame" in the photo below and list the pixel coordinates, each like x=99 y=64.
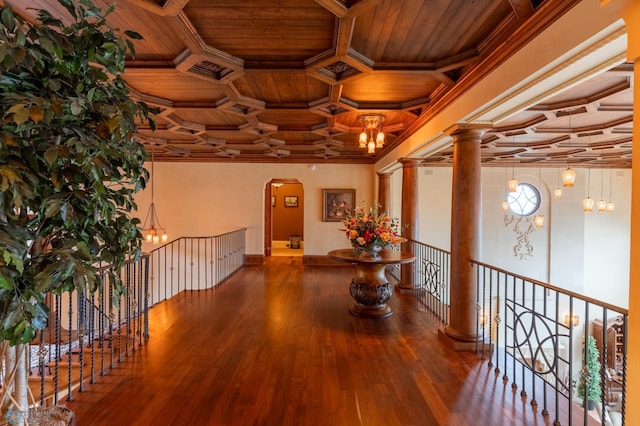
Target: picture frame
x=337 y=204
x=291 y=201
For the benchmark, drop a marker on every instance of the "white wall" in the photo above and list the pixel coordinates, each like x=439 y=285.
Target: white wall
x=200 y=199
x=607 y=243
x=434 y=201
x=587 y=253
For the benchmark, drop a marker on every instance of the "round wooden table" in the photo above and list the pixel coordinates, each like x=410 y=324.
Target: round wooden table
x=370 y=288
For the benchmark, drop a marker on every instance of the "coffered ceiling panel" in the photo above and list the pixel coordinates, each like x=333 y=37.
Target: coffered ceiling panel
x=289 y=80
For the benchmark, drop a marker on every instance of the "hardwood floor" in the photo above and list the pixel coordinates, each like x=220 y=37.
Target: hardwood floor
x=275 y=345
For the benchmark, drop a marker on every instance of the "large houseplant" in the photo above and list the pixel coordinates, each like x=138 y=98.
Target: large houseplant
x=69 y=163
x=589 y=383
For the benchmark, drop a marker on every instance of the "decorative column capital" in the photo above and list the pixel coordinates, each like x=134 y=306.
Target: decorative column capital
x=467 y=131
x=410 y=162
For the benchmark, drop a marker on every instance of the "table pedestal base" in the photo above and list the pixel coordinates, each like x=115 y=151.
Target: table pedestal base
x=378 y=311
x=370 y=288
x=371 y=295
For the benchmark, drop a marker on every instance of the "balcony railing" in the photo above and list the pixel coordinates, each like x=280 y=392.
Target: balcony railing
x=87 y=335
x=195 y=263
x=532 y=334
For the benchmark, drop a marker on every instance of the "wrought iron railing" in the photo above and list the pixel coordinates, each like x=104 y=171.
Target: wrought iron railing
x=536 y=334
x=430 y=277
x=195 y=263
x=87 y=335
x=533 y=333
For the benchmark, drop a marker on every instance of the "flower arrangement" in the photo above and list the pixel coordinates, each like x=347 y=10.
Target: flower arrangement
x=367 y=230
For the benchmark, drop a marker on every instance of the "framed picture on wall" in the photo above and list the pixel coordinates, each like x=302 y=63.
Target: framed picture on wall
x=337 y=204
x=291 y=201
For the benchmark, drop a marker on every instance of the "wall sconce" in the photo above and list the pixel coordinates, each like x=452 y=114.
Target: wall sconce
x=505 y=206
x=571 y=320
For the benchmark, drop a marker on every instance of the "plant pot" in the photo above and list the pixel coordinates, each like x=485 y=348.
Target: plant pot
x=590 y=405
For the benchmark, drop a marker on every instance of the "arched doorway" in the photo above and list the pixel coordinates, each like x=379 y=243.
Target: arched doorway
x=284 y=217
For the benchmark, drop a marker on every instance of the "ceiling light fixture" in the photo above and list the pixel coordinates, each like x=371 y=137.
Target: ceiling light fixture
x=588 y=202
x=512 y=183
x=602 y=204
x=557 y=193
x=155 y=228
x=505 y=203
x=538 y=220
x=610 y=205
x=569 y=175
x=372 y=136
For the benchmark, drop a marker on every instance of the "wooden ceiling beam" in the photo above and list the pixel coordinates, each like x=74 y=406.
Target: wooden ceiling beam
x=522 y=8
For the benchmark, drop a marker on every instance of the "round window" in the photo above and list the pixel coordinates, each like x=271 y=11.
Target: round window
x=525 y=200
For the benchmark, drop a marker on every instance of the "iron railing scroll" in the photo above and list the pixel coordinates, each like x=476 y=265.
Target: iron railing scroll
x=534 y=336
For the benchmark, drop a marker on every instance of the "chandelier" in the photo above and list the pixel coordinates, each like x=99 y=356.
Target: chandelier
x=372 y=136
x=152 y=233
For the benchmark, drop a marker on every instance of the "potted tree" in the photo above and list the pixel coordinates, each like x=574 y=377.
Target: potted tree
x=589 y=383
x=69 y=166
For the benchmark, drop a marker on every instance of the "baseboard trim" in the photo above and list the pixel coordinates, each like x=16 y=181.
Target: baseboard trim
x=253 y=259
x=319 y=260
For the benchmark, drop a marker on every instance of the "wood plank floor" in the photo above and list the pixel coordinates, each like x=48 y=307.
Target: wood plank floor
x=275 y=345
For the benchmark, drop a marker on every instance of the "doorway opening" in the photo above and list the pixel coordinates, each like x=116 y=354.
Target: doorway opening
x=284 y=218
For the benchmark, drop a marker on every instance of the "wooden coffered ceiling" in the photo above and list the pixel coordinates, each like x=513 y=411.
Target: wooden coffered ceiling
x=287 y=80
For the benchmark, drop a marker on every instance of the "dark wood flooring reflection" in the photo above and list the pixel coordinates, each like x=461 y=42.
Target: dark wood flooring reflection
x=275 y=345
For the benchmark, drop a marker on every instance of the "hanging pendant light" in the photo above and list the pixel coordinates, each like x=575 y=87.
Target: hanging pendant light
x=569 y=175
x=538 y=220
x=601 y=204
x=610 y=205
x=155 y=232
x=512 y=183
x=557 y=193
x=505 y=203
x=588 y=202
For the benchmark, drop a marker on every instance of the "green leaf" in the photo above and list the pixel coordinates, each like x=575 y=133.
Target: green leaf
x=21 y=116
x=134 y=35
x=52 y=207
x=76 y=106
x=6 y=16
x=51 y=155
